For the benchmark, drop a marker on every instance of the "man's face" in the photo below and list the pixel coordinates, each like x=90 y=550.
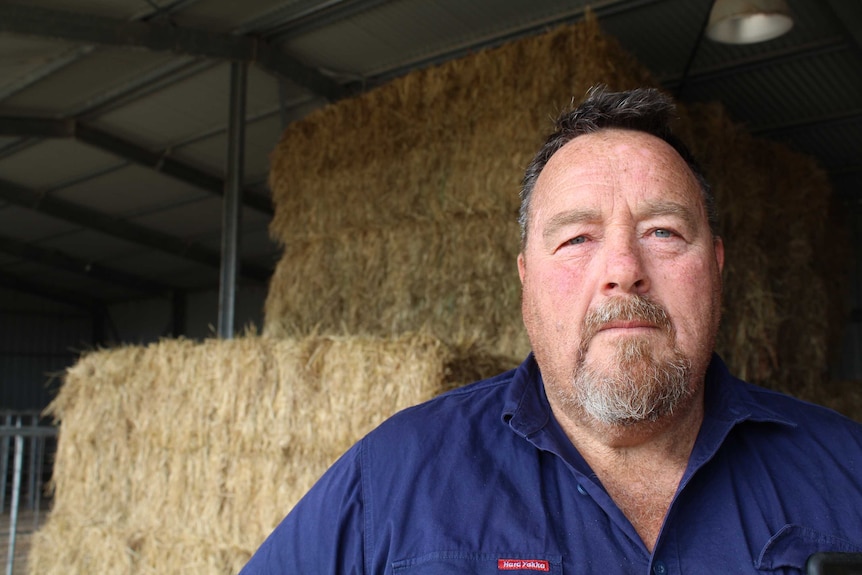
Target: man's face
x=621 y=278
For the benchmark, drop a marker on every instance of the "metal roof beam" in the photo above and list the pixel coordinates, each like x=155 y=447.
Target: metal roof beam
x=318 y=16
x=848 y=16
x=287 y=22
x=57 y=259
x=159 y=161
x=93 y=29
x=124 y=229
x=601 y=9
x=760 y=61
x=828 y=121
x=16 y=146
x=43 y=71
x=166 y=10
x=33 y=127
x=142 y=85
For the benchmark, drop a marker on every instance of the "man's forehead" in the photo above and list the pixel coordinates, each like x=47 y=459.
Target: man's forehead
x=589 y=150
x=622 y=161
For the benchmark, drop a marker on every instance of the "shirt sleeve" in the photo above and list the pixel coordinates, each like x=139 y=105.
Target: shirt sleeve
x=323 y=534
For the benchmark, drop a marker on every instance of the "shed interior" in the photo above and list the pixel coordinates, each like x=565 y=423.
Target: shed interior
x=116 y=119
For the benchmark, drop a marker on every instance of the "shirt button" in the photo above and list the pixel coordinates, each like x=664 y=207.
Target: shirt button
x=581 y=489
x=659 y=568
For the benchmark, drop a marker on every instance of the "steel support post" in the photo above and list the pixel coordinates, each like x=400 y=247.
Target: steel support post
x=16 y=493
x=231 y=212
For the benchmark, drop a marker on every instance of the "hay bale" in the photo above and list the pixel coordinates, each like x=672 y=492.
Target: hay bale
x=779 y=318
x=438 y=143
x=396 y=210
x=181 y=457
x=401 y=278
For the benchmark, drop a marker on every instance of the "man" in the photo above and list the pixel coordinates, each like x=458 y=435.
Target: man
x=622 y=444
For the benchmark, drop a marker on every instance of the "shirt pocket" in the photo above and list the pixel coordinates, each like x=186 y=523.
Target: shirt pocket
x=446 y=563
x=790 y=548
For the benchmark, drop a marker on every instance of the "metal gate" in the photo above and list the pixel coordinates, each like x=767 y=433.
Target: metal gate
x=24 y=451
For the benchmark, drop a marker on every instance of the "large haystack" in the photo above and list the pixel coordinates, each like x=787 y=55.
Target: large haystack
x=397 y=210
x=786 y=264
x=181 y=457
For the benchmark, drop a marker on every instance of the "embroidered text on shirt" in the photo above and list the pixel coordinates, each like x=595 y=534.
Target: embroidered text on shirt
x=522 y=565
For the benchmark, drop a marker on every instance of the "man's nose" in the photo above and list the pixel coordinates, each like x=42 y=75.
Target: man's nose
x=625 y=272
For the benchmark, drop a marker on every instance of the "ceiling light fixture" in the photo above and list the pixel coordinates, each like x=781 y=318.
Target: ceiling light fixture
x=748 y=21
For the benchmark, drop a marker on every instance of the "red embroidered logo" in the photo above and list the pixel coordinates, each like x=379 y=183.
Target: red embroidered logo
x=522 y=565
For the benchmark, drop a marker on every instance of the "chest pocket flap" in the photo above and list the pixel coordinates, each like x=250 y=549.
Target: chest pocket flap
x=794 y=544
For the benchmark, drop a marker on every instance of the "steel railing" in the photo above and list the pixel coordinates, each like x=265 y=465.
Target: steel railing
x=16 y=428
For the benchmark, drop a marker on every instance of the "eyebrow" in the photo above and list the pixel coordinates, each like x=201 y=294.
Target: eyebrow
x=651 y=209
x=569 y=218
x=668 y=208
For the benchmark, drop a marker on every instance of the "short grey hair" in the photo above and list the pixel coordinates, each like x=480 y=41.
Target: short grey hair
x=643 y=110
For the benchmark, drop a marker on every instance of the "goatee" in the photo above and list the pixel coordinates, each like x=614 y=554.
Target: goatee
x=637 y=383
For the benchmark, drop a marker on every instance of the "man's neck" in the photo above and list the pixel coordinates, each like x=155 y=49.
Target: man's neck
x=640 y=465
x=668 y=436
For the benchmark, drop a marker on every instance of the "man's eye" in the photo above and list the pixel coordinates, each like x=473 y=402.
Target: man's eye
x=662 y=233
x=576 y=241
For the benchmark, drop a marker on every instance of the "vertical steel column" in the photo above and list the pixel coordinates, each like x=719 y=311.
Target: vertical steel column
x=231 y=212
x=16 y=494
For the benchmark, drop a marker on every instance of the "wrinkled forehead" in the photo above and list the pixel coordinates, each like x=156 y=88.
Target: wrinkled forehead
x=619 y=163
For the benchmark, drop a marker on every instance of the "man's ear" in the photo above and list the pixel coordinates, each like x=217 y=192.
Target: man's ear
x=719 y=252
x=522 y=265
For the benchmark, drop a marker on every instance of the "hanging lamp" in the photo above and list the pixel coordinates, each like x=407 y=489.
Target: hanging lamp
x=748 y=21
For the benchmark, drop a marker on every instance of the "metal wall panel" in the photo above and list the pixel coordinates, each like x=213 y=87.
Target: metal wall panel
x=34 y=347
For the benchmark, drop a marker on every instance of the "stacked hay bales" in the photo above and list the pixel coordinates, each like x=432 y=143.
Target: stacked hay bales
x=181 y=457
x=397 y=210
x=786 y=260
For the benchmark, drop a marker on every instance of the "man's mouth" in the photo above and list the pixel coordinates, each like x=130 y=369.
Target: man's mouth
x=625 y=317
x=631 y=324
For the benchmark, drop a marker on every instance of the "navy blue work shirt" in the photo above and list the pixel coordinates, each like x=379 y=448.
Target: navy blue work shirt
x=482 y=480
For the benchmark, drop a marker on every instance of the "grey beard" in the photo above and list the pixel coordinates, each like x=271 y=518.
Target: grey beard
x=633 y=386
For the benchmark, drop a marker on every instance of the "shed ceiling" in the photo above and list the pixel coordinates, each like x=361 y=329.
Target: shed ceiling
x=114 y=113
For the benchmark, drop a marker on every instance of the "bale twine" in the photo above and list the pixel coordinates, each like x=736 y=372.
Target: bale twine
x=181 y=457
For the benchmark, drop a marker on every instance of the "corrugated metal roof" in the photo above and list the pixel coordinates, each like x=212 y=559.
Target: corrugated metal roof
x=397 y=34
x=135 y=127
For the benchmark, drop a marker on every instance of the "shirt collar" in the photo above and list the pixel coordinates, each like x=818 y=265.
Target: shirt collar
x=526 y=409
x=728 y=401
